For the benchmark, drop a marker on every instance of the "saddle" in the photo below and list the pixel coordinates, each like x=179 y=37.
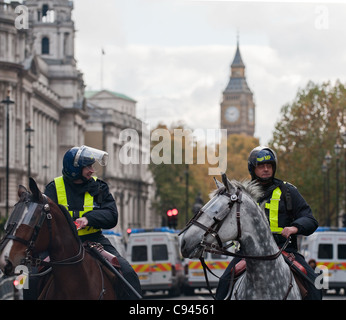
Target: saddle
x=105 y=254
x=298 y=270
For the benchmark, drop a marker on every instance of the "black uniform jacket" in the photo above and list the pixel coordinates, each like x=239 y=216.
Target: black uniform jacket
x=299 y=216
x=105 y=213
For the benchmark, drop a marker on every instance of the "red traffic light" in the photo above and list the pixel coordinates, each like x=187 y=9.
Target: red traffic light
x=172 y=212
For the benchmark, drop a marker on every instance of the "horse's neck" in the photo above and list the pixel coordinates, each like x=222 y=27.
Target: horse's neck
x=256 y=235
x=257 y=240
x=64 y=244
x=262 y=274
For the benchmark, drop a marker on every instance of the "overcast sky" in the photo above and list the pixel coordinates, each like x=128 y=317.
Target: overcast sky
x=174 y=56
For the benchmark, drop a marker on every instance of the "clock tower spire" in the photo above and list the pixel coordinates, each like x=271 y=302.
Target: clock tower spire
x=237 y=106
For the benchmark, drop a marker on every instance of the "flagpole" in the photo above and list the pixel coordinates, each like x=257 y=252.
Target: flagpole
x=102 y=54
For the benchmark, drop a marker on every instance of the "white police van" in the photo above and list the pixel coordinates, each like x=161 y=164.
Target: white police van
x=117 y=241
x=155 y=256
x=327 y=246
x=195 y=278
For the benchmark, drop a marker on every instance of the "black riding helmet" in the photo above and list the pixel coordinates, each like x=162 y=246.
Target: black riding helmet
x=261 y=155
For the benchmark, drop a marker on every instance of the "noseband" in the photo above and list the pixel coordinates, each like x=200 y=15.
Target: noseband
x=215 y=227
x=45 y=214
x=29 y=260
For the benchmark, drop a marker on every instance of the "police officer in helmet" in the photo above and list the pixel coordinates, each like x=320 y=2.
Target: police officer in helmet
x=89 y=202
x=288 y=214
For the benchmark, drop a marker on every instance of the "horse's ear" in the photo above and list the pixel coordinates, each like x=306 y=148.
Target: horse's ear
x=35 y=190
x=225 y=181
x=218 y=183
x=21 y=190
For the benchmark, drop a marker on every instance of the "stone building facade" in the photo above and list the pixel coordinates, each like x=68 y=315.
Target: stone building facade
x=51 y=112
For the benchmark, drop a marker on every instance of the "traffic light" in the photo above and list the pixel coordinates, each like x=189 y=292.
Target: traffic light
x=172 y=217
x=344 y=220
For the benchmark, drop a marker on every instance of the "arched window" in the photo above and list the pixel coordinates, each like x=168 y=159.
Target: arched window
x=45 y=45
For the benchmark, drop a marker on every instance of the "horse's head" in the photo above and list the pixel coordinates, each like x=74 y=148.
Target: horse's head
x=22 y=228
x=220 y=220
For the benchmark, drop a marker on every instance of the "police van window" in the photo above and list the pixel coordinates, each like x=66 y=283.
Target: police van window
x=160 y=252
x=341 y=251
x=325 y=251
x=139 y=253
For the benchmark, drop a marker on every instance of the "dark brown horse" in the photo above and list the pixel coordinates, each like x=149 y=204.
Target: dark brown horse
x=38 y=225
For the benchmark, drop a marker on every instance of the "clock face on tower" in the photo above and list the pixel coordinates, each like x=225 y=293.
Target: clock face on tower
x=232 y=114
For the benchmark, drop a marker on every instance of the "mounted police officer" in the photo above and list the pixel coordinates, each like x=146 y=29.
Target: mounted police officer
x=287 y=212
x=89 y=202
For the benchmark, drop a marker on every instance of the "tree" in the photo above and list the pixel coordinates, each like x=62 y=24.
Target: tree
x=308 y=128
x=170 y=177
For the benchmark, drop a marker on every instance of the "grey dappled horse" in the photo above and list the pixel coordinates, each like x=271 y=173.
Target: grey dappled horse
x=233 y=214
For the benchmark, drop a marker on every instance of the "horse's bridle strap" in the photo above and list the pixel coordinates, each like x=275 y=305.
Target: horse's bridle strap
x=23 y=241
x=274 y=256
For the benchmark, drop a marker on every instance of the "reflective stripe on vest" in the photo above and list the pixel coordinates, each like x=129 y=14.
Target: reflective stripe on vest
x=88 y=204
x=273 y=207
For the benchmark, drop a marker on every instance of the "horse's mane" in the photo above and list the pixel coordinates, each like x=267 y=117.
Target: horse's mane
x=70 y=221
x=252 y=188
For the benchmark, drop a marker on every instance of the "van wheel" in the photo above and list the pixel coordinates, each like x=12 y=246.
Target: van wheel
x=188 y=291
x=174 y=292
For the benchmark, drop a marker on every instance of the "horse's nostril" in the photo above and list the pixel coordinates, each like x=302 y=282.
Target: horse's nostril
x=8 y=270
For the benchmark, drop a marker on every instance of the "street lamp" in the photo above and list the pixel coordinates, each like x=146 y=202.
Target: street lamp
x=324 y=170
x=186 y=193
x=337 y=150
x=344 y=145
x=328 y=160
x=7 y=102
x=29 y=131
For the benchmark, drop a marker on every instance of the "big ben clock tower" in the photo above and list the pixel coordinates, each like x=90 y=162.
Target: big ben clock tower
x=237 y=106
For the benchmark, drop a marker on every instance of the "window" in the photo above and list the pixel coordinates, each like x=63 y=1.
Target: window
x=48 y=16
x=325 y=251
x=45 y=9
x=160 y=252
x=139 y=253
x=341 y=251
x=45 y=45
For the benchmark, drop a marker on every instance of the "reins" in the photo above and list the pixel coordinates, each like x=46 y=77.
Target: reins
x=220 y=248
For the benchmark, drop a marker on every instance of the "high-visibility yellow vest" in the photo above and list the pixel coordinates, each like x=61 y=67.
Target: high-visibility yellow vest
x=88 y=204
x=273 y=207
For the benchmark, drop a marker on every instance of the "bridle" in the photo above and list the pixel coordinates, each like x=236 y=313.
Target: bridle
x=220 y=248
x=29 y=259
x=218 y=220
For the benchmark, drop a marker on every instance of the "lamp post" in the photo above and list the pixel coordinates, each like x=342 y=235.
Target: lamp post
x=344 y=145
x=328 y=160
x=186 y=193
x=29 y=131
x=7 y=102
x=337 y=150
x=324 y=170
